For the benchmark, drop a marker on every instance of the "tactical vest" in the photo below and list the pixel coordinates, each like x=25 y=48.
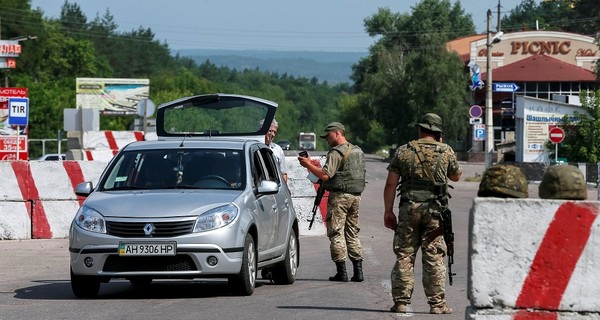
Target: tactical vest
x=420 y=188
x=350 y=177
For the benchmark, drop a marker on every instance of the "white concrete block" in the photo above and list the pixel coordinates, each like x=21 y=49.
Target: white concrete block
x=519 y=244
x=15 y=223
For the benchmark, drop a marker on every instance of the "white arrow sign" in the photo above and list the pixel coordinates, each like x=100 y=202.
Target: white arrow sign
x=505 y=87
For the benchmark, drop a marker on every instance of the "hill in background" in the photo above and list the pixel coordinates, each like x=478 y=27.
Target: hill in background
x=333 y=67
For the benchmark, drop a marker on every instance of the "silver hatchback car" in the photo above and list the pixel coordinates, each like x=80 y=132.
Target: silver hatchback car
x=205 y=200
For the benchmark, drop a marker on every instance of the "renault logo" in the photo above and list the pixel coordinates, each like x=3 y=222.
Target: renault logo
x=149 y=229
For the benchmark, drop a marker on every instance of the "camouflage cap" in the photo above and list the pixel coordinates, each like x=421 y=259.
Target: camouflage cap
x=431 y=122
x=563 y=182
x=503 y=181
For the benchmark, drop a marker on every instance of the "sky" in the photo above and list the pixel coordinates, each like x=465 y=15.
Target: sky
x=282 y=25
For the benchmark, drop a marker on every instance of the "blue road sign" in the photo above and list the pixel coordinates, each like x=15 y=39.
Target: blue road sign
x=479 y=132
x=505 y=87
x=18 y=111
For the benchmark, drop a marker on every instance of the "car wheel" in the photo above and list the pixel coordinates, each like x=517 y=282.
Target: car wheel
x=140 y=282
x=244 y=282
x=285 y=272
x=84 y=286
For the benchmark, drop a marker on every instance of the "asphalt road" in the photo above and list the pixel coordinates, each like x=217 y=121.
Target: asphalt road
x=34 y=278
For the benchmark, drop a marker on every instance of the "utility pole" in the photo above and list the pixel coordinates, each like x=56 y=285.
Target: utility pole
x=489 y=121
x=498 y=26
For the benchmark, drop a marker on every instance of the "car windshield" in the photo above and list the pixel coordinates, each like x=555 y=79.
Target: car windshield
x=176 y=169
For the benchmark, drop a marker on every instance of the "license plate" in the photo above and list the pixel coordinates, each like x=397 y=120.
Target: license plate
x=147 y=249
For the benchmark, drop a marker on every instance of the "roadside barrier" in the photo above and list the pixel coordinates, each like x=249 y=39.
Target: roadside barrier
x=38 y=201
x=534 y=259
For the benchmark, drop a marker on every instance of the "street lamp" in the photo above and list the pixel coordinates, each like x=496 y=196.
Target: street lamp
x=489 y=120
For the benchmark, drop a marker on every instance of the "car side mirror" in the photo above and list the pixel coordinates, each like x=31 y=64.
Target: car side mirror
x=84 y=188
x=268 y=187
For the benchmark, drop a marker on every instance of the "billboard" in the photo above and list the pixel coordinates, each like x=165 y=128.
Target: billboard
x=111 y=96
x=9 y=133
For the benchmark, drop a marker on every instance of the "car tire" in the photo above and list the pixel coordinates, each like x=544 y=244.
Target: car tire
x=285 y=271
x=245 y=282
x=84 y=286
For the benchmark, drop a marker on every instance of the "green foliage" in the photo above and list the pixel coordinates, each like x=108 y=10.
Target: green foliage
x=408 y=73
x=577 y=16
x=72 y=46
x=582 y=143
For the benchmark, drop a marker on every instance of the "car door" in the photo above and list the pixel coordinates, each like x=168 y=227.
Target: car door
x=283 y=200
x=266 y=208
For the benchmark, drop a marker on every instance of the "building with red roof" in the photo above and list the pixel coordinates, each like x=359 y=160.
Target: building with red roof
x=546 y=68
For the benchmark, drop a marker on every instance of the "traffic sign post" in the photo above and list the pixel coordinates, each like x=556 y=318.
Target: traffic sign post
x=18 y=115
x=556 y=135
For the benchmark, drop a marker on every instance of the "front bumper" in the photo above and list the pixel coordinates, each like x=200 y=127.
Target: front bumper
x=191 y=261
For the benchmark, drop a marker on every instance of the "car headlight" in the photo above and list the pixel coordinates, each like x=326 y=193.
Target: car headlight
x=216 y=218
x=90 y=220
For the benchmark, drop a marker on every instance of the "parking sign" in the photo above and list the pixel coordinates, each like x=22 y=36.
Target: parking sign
x=18 y=111
x=479 y=132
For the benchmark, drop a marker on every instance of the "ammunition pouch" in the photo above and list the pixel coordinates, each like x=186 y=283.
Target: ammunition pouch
x=424 y=191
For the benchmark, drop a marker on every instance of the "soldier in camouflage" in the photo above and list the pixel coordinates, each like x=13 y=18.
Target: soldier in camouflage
x=420 y=171
x=343 y=175
x=563 y=182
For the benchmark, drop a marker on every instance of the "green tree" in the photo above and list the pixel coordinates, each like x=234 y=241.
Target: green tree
x=408 y=73
x=577 y=16
x=582 y=143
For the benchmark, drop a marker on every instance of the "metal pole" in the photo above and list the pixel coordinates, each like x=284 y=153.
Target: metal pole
x=59 y=138
x=489 y=122
x=18 y=144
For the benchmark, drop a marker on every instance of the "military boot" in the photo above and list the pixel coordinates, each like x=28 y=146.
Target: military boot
x=341 y=274
x=358 y=272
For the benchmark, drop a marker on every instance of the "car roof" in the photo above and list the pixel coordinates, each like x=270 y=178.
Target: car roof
x=211 y=143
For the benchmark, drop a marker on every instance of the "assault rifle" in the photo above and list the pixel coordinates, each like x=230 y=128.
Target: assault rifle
x=320 y=193
x=449 y=239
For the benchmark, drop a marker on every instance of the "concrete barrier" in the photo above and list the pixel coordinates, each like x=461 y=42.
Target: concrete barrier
x=534 y=259
x=38 y=201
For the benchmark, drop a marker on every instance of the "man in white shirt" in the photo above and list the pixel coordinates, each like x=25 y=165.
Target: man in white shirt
x=277 y=151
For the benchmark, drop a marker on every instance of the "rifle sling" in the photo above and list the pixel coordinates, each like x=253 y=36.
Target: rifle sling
x=439 y=231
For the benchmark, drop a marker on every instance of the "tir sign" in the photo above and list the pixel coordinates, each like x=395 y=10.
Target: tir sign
x=18 y=111
x=556 y=135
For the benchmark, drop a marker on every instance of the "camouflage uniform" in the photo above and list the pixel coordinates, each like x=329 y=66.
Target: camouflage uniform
x=416 y=219
x=342 y=216
x=343 y=226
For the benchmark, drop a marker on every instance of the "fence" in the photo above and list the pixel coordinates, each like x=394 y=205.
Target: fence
x=39 y=147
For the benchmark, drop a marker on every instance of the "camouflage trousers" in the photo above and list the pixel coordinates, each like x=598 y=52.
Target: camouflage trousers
x=343 y=226
x=415 y=221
